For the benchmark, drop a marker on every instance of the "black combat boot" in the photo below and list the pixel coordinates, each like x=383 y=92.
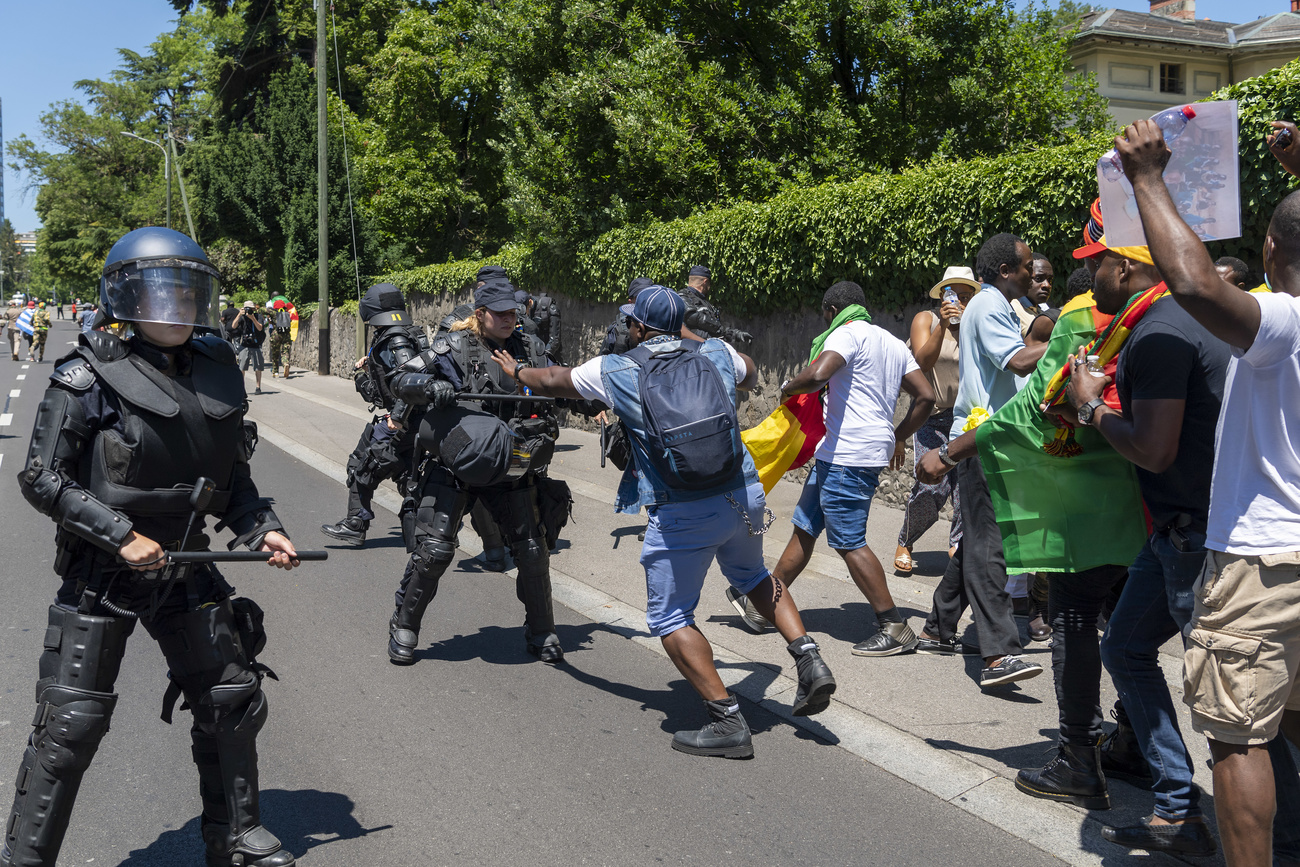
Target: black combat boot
x=351 y=530
x=816 y=683
x=726 y=735
x=1074 y=776
x=1121 y=757
x=543 y=645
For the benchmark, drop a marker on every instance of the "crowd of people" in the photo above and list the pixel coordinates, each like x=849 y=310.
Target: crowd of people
x=1122 y=471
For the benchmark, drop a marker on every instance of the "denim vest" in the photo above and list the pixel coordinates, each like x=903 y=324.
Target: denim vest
x=641 y=485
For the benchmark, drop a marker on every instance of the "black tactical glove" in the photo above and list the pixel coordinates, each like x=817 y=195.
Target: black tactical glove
x=738 y=336
x=441 y=394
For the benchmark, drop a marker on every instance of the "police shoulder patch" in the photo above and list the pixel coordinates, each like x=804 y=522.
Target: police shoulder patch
x=441 y=346
x=74 y=374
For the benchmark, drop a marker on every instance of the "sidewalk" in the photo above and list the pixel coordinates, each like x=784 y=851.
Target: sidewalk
x=922 y=718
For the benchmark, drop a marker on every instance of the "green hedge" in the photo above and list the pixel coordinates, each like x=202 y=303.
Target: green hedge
x=894 y=234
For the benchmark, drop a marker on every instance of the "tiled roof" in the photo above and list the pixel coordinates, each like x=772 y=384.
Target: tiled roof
x=1285 y=25
x=1142 y=25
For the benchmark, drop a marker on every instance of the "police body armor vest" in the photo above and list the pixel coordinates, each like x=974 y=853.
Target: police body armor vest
x=175 y=429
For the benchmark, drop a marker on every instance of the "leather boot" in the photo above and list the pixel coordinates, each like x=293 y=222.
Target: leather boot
x=816 y=683
x=351 y=530
x=1074 y=776
x=543 y=645
x=726 y=735
x=1121 y=757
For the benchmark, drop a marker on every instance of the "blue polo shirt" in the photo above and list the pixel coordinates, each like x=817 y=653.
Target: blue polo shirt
x=989 y=338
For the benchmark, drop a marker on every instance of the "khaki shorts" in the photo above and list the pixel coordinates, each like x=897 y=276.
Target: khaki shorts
x=1243 y=646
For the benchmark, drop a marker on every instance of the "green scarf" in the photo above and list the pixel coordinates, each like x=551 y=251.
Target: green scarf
x=851 y=313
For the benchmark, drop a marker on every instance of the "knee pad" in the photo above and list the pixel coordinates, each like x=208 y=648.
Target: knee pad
x=243 y=722
x=531 y=556
x=432 y=556
x=70 y=723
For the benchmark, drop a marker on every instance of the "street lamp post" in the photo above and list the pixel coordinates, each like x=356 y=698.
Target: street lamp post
x=167 y=170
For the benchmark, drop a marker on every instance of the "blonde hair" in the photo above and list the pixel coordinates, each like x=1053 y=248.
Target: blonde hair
x=470 y=323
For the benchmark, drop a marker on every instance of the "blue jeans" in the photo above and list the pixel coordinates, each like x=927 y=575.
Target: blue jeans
x=837 y=499
x=681 y=541
x=1154 y=607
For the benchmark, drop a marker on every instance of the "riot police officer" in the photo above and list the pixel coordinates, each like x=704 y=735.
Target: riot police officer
x=386 y=447
x=128 y=427
x=495 y=453
x=702 y=318
x=616 y=340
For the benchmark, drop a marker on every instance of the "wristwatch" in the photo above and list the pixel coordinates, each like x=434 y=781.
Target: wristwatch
x=943 y=456
x=1088 y=409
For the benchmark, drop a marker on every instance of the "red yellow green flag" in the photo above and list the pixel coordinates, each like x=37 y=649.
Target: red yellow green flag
x=786 y=439
x=1060 y=509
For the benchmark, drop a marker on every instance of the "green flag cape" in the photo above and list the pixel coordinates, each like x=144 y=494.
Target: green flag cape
x=1059 y=514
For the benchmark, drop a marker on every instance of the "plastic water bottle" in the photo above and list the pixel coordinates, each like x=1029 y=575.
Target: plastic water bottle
x=1094 y=366
x=1172 y=122
x=950 y=297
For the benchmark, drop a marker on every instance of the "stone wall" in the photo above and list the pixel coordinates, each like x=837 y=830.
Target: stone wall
x=780 y=349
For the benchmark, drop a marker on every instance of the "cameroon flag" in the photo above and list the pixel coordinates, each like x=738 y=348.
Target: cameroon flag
x=786 y=439
x=1064 y=502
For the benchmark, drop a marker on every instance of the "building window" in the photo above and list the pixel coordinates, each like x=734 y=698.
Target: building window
x=1205 y=83
x=1171 y=78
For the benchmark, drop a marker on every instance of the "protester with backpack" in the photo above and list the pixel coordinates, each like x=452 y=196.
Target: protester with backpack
x=677 y=399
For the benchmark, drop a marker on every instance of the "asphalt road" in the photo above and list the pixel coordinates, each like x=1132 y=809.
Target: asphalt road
x=477 y=754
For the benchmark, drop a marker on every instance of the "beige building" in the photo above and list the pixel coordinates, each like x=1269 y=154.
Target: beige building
x=1145 y=62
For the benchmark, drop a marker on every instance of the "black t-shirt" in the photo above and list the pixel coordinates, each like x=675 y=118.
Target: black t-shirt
x=1170 y=356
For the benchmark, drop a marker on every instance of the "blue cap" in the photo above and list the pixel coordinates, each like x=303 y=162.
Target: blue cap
x=657 y=308
x=496 y=295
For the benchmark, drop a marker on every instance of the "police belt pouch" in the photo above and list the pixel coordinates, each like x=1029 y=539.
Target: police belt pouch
x=556 y=505
x=476 y=447
x=533 y=446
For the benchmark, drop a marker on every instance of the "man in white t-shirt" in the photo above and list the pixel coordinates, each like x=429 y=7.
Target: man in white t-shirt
x=863 y=368
x=1243 y=643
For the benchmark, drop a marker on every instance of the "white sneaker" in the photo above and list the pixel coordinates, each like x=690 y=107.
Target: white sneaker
x=749 y=616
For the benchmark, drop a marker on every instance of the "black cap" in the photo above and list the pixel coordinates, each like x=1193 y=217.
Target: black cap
x=699 y=271
x=637 y=284
x=522 y=297
x=496 y=295
x=387 y=299
x=491 y=272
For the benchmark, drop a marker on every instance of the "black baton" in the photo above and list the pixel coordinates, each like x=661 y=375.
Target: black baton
x=238 y=556
x=603 y=444
x=516 y=398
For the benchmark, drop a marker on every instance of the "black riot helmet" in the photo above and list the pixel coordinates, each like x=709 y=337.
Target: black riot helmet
x=159 y=275
x=383 y=305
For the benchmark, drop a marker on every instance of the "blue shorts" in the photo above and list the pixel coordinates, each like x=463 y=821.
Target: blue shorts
x=837 y=499
x=681 y=541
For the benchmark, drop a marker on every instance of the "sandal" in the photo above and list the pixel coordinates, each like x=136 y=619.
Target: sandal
x=903 y=560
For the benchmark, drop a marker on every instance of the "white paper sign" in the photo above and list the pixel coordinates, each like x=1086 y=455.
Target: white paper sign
x=1201 y=176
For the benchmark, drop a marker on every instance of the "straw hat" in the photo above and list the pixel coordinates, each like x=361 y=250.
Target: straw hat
x=955 y=275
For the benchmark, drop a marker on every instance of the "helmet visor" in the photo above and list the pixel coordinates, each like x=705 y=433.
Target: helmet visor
x=170 y=291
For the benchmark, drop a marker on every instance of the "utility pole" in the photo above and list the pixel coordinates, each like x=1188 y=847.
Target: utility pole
x=185 y=200
x=167 y=167
x=322 y=202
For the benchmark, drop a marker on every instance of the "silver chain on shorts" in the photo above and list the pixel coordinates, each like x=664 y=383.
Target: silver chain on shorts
x=768 y=519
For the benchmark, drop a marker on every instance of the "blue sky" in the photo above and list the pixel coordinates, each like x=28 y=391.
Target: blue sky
x=49 y=44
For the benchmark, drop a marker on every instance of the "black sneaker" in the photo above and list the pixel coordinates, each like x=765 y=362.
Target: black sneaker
x=1189 y=838
x=749 y=616
x=951 y=647
x=1009 y=670
x=726 y=736
x=351 y=530
x=890 y=639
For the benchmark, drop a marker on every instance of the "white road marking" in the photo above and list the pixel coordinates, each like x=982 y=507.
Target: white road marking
x=15 y=392
x=25 y=366
x=6 y=419
x=22 y=376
